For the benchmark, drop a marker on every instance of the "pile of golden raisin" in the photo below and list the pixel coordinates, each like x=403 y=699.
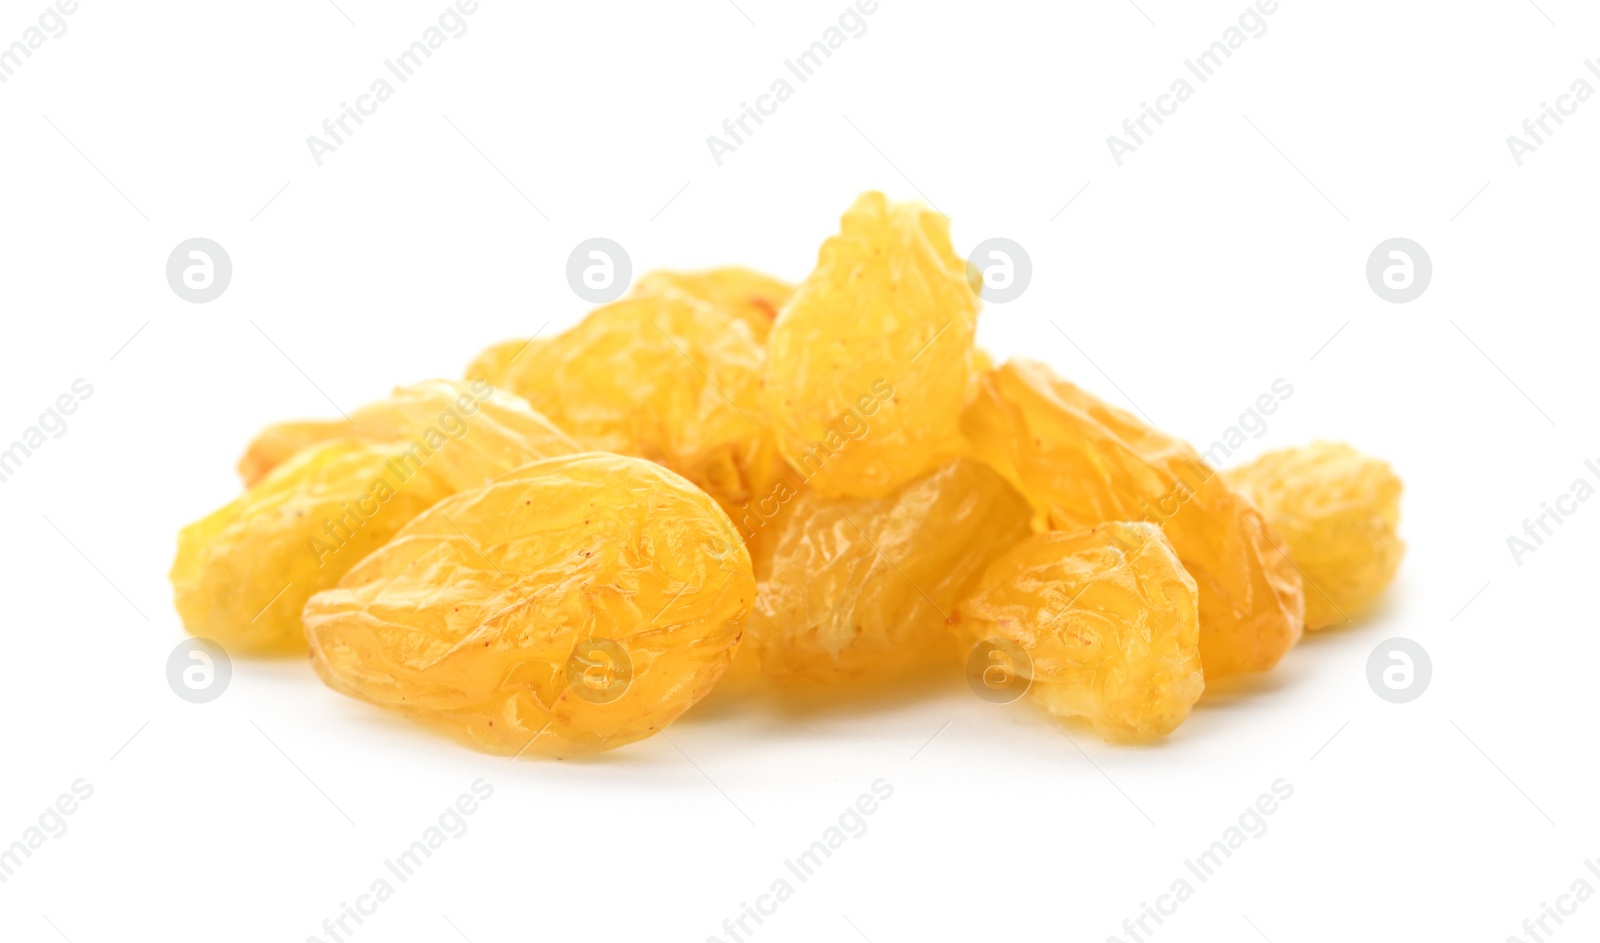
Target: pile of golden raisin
x=725 y=475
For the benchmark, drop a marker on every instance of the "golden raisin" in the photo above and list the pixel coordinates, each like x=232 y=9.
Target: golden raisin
x=243 y=572
x=578 y=604
x=746 y=294
x=496 y=361
x=868 y=365
x=1338 y=511
x=427 y=417
x=662 y=377
x=1109 y=621
x=864 y=586
x=1083 y=462
x=282 y=441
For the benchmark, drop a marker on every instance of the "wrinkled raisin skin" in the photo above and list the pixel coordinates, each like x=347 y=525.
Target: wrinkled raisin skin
x=244 y=571
x=468 y=619
x=1083 y=462
x=746 y=294
x=863 y=587
x=1339 y=513
x=434 y=414
x=661 y=376
x=1109 y=620
x=330 y=492
x=888 y=307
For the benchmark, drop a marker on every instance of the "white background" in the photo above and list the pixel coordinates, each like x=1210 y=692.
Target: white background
x=1225 y=253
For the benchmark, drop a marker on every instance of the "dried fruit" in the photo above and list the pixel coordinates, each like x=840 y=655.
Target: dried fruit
x=282 y=441
x=1083 y=462
x=576 y=605
x=1109 y=621
x=864 y=586
x=831 y=473
x=746 y=294
x=868 y=365
x=494 y=364
x=662 y=377
x=243 y=572
x=427 y=417
x=1337 y=510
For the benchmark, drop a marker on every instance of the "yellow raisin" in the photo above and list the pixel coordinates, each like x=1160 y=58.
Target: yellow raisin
x=426 y=417
x=1083 y=462
x=746 y=294
x=1338 y=510
x=578 y=604
x=495 y=363
x=864 y=587
x=868 y=365
x=1109 y=621
x=282 y=441
x=662 y=377
x=243 y=572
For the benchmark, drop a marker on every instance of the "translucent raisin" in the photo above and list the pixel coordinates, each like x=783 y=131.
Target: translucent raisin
x=746 y=294
x=663 y=377
x=578 y=604
x=496 y=362
x=1109 y=621
x=345 y=487
x=1083 y=462
x=869 y=363
x=864 y=587
x=1338 y=511
x=505 y=432
x=244 y=572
